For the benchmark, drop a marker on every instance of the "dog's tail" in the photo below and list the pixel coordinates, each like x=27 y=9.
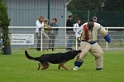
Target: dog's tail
x=31 y=58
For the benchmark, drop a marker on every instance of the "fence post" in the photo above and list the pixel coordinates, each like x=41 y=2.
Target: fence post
x=107 y=43
x=65 y=38
x=49 y=9
x=76 y=39
x=41 y=45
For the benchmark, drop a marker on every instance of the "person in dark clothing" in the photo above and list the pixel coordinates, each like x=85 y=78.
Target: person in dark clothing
x=69 y=22
x=52 y=33
x=69 y=32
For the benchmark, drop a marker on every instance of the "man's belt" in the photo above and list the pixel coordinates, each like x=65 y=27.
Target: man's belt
x=90 y=42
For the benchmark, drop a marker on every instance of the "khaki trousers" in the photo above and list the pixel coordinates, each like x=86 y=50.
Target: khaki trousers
x=95 y=50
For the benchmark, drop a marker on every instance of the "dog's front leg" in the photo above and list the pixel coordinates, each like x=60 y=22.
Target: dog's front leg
x=65 y=67
x=62 y=65
x=59 y=67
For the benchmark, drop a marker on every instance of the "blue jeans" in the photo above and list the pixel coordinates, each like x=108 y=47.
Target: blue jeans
x=69 y=42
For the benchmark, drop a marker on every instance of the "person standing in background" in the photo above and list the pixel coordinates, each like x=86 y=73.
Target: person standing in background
x=39 y=28
x=76 y=27
x=94 y=19
x=52 y=33
x=41 y=24
x=46 y=38
x=69 y=32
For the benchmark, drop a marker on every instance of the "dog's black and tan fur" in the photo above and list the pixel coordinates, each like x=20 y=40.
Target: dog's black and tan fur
x=56 y=58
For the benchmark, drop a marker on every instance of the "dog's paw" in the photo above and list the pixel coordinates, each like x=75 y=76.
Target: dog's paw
x=59 y=67
x=68 y=69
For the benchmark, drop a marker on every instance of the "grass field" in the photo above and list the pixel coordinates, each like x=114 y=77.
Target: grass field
x=16 y=68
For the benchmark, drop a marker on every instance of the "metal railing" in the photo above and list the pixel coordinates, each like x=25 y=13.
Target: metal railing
x=116 y=33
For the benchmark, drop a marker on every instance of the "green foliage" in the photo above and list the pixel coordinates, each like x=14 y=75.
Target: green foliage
x=17 y=68
x=114 y=5
x=80 y=8
x=4 y=23
x=85 y=4
x=106 y=11
x=96 y=5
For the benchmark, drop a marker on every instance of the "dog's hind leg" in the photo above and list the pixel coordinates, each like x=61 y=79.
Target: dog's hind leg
x=38 y=66
x=59 y=67
x=45 y=65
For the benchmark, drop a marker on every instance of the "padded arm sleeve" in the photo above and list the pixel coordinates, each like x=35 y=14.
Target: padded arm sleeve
x=107 y=38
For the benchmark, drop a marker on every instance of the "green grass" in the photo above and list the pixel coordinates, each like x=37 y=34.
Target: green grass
x=16 y=68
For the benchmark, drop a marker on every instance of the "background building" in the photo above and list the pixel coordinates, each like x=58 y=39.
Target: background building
x=26 y=12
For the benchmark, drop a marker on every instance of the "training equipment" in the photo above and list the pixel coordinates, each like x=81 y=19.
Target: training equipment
x=78 y=64
x=107 y=38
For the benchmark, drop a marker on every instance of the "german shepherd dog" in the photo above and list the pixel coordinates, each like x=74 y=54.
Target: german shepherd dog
x=54 y=58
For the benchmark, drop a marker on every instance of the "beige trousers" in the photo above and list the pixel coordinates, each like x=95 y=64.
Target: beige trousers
x=95 y=50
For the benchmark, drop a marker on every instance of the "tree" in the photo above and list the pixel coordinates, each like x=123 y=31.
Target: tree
x=105 y=10
x=4 y=23
x=85 y=5
x=114 y=5
x=80 y=8
x=96 y=5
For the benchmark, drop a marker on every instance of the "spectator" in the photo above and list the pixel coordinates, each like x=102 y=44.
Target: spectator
x=76 y=27
x=94 y=19
x=45 y=35
x=52 y=33
x=39 y=28
x=69 y=32
x=41 y=24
